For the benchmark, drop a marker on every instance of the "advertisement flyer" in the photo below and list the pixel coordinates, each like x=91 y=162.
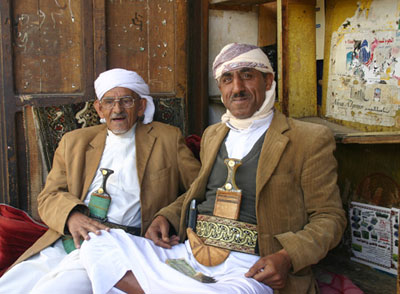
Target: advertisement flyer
x=395 y=239
x=374 y=232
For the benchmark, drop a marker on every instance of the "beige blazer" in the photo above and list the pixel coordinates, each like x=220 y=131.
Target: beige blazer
x=166 y=167
x=298 y=206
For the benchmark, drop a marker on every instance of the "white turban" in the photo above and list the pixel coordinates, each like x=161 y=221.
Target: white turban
x=123 y=78
x=235 y=56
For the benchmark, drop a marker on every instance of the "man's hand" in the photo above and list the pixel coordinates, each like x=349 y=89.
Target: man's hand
x=158 y=232
x=271 y=270
x=79 y=225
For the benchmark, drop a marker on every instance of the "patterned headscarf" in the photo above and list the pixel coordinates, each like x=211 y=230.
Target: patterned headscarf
x=235 y=56
x=123 y=78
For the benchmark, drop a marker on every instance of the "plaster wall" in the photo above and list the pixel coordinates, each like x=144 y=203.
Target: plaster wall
x=227 y=27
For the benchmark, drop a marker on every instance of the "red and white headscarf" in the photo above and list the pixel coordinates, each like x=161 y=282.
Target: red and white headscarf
x=235 y=56
x=119 y=77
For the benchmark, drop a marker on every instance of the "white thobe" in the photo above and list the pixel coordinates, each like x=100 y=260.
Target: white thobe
x=108 y=257
x=119 y=155
x=52 y=267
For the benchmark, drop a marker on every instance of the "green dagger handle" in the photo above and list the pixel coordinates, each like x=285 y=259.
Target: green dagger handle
x=98 y=207
x=100 y=200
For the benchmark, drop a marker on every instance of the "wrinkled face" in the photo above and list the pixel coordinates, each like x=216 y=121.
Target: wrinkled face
x=243 y=91
x=120 y=119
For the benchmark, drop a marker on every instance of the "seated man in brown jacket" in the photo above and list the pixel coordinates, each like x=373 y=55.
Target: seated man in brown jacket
x=151 y=165
x=268 y=203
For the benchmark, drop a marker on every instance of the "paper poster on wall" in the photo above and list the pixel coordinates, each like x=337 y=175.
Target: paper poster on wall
x=365 y=77
x=374 y=235
x=364 y=66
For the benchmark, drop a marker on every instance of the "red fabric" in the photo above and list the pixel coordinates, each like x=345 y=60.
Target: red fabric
x=330 y=283
x=193 y=142
x=18 y=231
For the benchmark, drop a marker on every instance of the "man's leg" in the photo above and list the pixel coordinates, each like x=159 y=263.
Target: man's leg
x=22 y=277
x=129 y=284
x=117 y=260
x=68 y=277
x=110 y=257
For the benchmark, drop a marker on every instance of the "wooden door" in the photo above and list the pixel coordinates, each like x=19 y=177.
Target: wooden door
x=47 y=59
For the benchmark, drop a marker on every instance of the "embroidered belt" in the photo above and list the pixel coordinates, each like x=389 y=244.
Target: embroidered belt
x=227 y=233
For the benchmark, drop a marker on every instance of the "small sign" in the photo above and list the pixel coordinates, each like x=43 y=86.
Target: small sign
x=375 y=236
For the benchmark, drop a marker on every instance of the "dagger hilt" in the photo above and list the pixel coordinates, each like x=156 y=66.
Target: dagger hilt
x=106 y=173
x=229 y=196
x=232 y=164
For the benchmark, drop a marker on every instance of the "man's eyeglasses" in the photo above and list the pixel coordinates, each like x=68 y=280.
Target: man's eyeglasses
x=124 y=101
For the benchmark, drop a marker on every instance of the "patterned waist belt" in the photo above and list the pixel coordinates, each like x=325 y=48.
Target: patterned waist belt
x=227 y=233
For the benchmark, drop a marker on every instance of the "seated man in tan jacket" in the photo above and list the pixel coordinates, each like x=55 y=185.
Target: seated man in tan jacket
x=268 y=203
x=151 y=166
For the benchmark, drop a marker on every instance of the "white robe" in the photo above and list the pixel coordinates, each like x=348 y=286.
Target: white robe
x=123 y=186
x=109 y=256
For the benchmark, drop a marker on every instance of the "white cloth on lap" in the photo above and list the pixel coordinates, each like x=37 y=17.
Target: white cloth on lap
x=69 y=276
x=22 y=277
x=109 y=256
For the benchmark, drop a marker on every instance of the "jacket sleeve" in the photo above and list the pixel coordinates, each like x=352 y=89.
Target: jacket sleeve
x=189 y=168
x=173 y=212
x=326 y=217
x=188 y=165
x=55 y=202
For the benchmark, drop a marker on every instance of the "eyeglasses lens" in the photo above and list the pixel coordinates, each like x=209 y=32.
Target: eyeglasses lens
x=126 y=102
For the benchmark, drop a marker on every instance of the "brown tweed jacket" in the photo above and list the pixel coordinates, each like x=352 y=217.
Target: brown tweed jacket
x=298 y=206
x=166 y=167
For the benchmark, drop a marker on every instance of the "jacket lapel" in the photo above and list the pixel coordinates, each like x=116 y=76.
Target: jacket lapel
x=144 y=144
x=93 y=155
x=274 y=145
x=216 y=140
x=208 y=155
